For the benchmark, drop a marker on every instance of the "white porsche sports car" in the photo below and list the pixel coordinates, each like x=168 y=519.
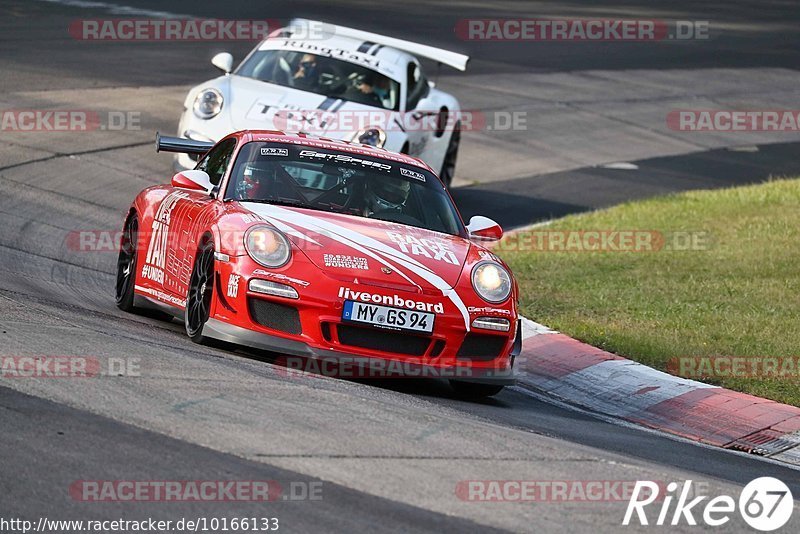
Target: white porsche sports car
x=335 y=82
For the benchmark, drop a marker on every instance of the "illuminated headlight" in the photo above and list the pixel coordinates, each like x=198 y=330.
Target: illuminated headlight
x=273 y=288
x=371 y=136
x=492 y=282
x=207 y=103
x=267 y=246
x=492 y=323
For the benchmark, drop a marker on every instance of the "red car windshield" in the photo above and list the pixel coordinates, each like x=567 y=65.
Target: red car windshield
x=352 y=184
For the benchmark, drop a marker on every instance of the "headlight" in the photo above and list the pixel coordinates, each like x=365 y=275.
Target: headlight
x=371 y=136
x=492 y=282
x=267 y=246
x=207 y=103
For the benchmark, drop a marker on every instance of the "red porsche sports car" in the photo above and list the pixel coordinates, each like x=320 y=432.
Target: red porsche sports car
x=327 y=251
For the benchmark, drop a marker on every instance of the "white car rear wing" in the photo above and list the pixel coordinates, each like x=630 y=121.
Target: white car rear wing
x=182 y=145
x=452 y=59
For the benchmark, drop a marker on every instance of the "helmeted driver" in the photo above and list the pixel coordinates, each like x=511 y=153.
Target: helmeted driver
x=254 y=183
x=386 y=194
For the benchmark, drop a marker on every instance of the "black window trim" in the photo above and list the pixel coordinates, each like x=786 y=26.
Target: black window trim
x=229 y=145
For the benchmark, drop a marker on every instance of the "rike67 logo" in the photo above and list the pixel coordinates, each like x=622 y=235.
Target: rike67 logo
x=766 y=504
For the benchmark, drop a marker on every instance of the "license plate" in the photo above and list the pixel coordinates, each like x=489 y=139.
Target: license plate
x=386 y=317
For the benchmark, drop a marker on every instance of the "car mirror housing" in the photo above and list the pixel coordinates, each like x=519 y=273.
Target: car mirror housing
x=223 y=61
x=481 y=227
x=193 y=181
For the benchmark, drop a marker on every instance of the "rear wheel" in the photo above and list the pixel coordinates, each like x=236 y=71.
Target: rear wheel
x=126 y=264
x=449 y=164
x=201 y=292
x=471 y=390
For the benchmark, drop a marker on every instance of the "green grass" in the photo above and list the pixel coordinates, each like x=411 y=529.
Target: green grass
x=739 y=296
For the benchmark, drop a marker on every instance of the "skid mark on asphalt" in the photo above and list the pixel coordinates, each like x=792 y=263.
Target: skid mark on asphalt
x=181 y=407
x=116 y=9
x=435 y=458
x=433 y=430
x=78 y=153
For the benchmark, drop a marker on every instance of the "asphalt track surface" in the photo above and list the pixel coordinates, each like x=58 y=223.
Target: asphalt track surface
x=389 y=454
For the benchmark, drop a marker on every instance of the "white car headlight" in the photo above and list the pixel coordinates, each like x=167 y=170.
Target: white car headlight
x=491 y=281
x=267 y=246
x=207 y=103
x=370 y=136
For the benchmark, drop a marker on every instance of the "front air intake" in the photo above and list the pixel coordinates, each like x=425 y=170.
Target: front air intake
x=382 y=340
x=275 y=316
x=482 y=348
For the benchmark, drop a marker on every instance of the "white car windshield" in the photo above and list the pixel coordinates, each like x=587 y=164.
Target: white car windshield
x=342 y=182
x=324 y=76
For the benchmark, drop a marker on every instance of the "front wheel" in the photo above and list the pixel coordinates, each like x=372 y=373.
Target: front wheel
x=449 y=164
x=472 y=390
x=126 y=265
x=201 y=292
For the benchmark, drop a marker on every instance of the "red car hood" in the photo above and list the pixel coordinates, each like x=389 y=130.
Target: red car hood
x=383 y=253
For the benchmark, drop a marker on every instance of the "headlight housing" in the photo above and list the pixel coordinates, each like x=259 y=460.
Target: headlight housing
x=207 y=104
x=491 y=281
x=370 y=136
x=267 y=246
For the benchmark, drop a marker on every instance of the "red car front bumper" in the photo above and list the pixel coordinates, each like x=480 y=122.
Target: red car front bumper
x=311 y=327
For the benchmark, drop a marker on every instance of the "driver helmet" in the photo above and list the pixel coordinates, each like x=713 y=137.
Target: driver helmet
x=254 y=183
x=387 y=193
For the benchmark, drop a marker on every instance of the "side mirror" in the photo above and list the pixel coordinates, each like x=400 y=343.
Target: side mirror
x=481 y=227
x=193 y=181
x=426 y=107
x=223 y=61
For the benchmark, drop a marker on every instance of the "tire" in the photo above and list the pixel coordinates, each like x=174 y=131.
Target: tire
x=471 y=390
x=201 y=292
x=449 y=164
x=126 y=265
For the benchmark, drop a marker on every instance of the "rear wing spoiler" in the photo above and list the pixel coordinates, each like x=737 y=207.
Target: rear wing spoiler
x=452 y=59
x=179 y=144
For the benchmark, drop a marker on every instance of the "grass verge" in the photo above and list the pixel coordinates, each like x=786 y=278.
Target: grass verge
x=719 y=285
